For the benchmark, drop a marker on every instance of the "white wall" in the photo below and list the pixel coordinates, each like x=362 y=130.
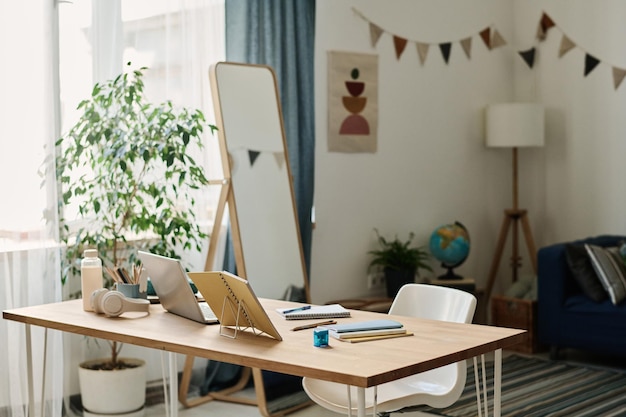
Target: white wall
x=586 y=123
x=432 y=166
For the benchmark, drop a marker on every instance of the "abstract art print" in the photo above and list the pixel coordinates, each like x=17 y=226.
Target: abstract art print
x=352 y=102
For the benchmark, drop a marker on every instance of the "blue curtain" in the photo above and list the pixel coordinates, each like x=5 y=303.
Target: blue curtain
x=281 y=34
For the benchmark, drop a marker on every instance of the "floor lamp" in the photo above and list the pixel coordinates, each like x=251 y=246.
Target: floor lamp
x=514 y=125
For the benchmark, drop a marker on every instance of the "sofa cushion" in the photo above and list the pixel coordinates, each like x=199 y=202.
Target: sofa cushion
x=579 y=263
x=610 y=270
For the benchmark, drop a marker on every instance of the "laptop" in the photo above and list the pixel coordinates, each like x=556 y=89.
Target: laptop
x=171 y=285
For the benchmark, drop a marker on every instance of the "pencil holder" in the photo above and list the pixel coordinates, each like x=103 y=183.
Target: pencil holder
x=320 y=337
x=129 y=290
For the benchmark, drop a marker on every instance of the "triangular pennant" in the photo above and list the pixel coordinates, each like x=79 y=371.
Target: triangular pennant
x=253 y=155
x=485 y=34
x=618 y=76
x=497 y=40
x=566 y=46
x=528 y=56
x=466 y=44
x=280 y=159
x=591 y=63
x=545 y=23
x=375 y=32
x=541 y=34
x=445 y=50
x=422 y=51
x=400 y=44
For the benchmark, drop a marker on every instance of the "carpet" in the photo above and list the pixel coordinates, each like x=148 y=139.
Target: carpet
x=533 y=387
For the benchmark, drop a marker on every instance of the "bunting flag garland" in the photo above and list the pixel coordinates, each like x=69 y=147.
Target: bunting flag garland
x=528 y=56
x=280 y=159
x=545 y=24
x=567 y=44
x=375 y=32
x=466 y=44
x=618 y=76
x=491 y=37
x=497 y=40
x=485 y=34
x=400 y=44
x=253 y=156
x=591 y=63
x=445 y=50
x=422 y=51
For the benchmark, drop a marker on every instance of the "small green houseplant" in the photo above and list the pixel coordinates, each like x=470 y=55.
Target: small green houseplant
x=127 y=165
x=399 y=260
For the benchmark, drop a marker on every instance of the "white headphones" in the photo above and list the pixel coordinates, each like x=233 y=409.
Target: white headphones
x=114 y=303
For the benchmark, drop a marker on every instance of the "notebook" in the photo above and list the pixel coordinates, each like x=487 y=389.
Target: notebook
x=232 y=298
x=170 y=283
x=363 y=333
x=314 y=312
x=369 y=325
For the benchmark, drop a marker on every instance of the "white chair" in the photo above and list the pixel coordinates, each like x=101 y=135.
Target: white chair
x=438 y=388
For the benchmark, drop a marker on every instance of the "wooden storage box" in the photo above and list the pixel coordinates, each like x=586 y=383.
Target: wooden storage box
x=518 y=314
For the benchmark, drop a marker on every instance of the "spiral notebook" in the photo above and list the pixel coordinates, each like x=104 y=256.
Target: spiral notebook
x=233 y=301
x=315 y=312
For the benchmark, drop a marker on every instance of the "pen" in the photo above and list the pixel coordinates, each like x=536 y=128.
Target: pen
x=293 y=310
x=311 y=326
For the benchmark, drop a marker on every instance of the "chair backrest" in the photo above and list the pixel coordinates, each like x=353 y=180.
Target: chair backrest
x=434 y=302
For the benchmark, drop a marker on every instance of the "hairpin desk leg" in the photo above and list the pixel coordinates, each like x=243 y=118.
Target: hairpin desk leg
x=497 y=382
x=173 y=385
x=29 y=371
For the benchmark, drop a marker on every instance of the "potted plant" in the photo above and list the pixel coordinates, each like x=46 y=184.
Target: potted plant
x=399 y=260
x=127 y=164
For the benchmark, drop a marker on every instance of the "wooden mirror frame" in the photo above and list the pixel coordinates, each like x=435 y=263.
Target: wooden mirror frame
x=258 y=190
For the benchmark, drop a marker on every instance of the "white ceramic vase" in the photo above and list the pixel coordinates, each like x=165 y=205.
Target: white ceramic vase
x=120 y=391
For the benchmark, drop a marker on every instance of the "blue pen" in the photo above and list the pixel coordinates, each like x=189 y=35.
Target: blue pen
x=293 y=310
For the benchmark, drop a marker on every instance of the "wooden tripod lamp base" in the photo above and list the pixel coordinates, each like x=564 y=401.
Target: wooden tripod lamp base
x=511 y=220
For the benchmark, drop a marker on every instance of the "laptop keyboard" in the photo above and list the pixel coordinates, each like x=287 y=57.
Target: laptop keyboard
x=206 y=311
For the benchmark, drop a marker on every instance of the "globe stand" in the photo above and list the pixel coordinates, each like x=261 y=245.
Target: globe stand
x=450 y=275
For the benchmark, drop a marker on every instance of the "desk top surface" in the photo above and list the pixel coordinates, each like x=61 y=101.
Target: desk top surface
x=434 y=343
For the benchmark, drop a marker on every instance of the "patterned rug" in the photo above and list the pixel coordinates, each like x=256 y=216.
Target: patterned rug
x=534 y=387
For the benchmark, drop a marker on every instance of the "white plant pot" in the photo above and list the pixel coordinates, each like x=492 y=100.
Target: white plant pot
x=113 y=392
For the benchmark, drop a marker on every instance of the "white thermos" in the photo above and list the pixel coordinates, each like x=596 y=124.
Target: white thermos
x=90 y=276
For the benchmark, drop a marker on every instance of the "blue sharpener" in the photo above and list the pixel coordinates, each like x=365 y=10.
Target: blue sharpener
x=320 y=337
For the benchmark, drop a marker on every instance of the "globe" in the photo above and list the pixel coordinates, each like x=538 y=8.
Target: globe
x=450 y=245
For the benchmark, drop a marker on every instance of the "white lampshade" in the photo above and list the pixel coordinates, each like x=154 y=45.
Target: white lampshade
x=515 y=125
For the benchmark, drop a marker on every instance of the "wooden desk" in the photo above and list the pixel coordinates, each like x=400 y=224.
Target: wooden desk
x=362 y=364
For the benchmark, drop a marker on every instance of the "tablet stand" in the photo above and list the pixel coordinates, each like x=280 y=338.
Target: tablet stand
x=241 y=308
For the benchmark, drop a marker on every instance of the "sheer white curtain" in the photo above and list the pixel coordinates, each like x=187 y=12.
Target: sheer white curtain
x=177 y=40
x=29 y=264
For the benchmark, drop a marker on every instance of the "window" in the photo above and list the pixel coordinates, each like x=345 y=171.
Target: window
x=176 y=40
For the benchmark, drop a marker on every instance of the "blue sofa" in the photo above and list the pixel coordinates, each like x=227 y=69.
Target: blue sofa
x=567 y=317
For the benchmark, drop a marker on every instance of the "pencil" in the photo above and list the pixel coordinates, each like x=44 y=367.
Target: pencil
x=313 y=325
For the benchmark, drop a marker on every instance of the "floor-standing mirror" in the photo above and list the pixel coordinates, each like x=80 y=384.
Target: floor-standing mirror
x=257 y=189
x=262 y=209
